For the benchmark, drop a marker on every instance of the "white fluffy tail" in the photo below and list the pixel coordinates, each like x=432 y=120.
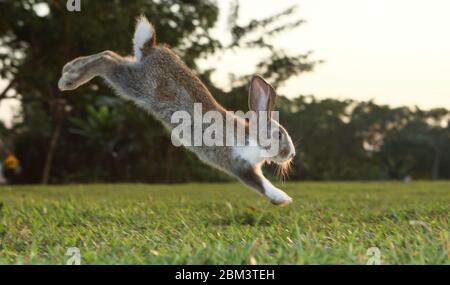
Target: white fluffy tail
x=144 y=36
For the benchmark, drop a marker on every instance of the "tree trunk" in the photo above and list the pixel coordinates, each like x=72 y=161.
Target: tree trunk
x=3 y=94
x=436 y=165
x=59 y=118
x=169 y=158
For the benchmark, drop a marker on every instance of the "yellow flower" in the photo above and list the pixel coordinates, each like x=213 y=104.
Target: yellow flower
x=11 y=162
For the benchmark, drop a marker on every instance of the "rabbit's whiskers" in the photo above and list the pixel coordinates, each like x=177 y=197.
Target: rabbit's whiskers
x=282 y=169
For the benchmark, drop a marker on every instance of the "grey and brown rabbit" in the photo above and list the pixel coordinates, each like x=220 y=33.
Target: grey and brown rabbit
x=159 y=82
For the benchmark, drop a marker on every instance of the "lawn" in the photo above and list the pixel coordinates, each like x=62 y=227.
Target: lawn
x=328 y=223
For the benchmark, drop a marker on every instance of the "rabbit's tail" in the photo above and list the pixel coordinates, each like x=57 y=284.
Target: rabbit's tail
x=144 y=37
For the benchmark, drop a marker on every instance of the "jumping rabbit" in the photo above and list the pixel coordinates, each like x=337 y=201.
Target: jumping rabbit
x=160 y=83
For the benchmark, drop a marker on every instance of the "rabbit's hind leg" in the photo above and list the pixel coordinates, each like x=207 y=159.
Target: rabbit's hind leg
x=82 y=69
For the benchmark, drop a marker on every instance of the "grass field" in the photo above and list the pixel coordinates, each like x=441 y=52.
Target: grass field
x=328 y=223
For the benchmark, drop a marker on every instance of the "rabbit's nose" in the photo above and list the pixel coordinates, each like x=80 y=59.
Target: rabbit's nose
x=292 y=155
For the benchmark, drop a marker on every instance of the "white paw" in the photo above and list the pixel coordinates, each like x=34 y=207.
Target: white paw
x=282 y=201
x=276 y=196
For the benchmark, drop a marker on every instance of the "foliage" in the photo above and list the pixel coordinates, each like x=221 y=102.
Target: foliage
x=89 y=135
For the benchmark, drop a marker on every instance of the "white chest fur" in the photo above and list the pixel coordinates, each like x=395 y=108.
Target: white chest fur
x=250 y=153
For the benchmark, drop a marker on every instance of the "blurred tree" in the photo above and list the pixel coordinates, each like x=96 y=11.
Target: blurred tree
x=438 y=136
x=37 y=37
x=89 y=135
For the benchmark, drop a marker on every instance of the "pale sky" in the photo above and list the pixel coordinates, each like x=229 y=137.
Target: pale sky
x=394 y=51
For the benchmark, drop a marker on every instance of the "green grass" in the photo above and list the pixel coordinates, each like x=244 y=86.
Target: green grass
x=328 y=223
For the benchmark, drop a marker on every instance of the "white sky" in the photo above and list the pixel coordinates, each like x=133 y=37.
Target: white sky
x=394 y=51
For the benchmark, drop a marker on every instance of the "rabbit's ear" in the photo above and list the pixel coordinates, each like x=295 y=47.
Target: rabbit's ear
x=261 y=95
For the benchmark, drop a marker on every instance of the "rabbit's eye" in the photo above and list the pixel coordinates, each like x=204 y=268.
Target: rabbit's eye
x=277 y=134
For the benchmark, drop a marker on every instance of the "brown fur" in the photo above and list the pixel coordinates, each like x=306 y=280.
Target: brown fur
x=162 y=84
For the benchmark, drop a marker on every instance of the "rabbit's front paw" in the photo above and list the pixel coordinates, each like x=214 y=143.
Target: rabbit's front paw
x=282 y=202
x=278 y=197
